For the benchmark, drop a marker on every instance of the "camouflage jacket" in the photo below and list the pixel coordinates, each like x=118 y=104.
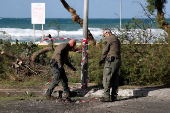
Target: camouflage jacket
x=111 y=47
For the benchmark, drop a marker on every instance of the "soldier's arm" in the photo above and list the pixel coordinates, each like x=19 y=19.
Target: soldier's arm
x=70 y=65
x=58 y=57
x=105 y=50
x=59 y=52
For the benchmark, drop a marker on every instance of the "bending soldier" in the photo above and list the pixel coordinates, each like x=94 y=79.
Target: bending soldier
x=59 y=58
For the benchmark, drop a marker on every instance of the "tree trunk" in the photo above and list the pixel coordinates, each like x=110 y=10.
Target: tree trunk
x=9 y=55
x=77 y=19
x=162 y=21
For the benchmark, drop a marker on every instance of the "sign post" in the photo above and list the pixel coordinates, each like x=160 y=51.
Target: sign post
x=42 y=33
x=34 y=32
x=38 y=15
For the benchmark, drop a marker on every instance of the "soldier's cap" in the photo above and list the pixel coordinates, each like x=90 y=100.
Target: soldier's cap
x=107 y=31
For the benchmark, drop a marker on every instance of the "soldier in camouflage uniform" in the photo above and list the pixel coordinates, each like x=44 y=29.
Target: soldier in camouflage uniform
x=110 y=54
x=59 y=58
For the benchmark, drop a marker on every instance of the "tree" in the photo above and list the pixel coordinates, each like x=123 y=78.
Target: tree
x=159 y=6
x=32 y=60
x=77 y=19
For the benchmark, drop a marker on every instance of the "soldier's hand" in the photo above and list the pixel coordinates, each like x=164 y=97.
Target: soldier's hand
x=101 y=62
x=60 y=68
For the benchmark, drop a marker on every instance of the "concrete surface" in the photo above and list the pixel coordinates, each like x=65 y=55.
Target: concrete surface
x=125 y=91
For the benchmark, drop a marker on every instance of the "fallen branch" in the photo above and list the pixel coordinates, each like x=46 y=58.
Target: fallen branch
x=30 y=69
x=38 y=53
x=9 y=55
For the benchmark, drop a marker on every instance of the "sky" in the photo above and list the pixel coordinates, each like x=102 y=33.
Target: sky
x=97 y=8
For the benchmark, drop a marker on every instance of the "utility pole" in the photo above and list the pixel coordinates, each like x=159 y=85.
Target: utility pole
x=84 y=68
x=120 y=14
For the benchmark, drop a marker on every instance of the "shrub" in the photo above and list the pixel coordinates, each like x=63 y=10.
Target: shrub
x=142 y=63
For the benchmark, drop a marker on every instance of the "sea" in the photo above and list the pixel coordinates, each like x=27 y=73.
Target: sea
x=22 y=28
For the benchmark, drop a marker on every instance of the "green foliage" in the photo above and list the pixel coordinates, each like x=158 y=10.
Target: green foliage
x=155 y=5
x=54 y=24
x=21 y=51
x=93 y=59
x=148 y=66
x=142 y=63
x=95 y=72
x=159 y=6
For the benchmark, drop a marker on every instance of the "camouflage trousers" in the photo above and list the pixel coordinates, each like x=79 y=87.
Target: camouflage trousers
x=59 y=76
x=111 y=77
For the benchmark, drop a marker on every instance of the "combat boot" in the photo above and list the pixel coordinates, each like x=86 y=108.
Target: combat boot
x=105 y=99
x=72 y=93
x=49 y=97
x=114 y=98
x=66 y=94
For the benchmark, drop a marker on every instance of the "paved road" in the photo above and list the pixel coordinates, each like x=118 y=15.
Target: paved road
x=90 y=105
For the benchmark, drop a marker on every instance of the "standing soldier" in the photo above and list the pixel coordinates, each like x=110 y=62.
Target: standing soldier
x=110 y=54
x=59 y=58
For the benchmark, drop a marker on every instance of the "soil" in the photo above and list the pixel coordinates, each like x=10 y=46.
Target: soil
x=40 y=104
x=85 y=105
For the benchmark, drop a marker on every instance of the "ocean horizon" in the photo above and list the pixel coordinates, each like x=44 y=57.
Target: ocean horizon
x=22 y=29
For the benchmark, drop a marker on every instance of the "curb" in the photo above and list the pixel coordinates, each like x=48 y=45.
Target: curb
x=95 y=92
x=152 y=92
x=138 y=92
x=16 y=92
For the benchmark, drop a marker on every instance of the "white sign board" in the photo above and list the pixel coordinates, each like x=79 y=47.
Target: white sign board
x=38 y=13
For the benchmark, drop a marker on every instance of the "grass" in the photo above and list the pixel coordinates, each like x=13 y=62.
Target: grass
x=27 y=82
x=23 y=97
